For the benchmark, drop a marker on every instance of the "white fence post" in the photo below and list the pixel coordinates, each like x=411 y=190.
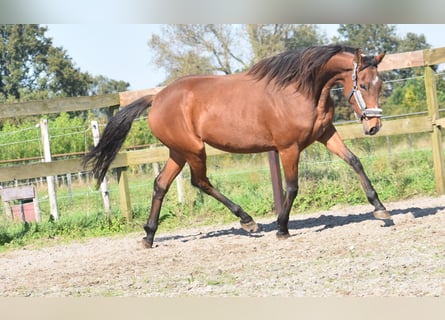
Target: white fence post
x=50 y=179
x=104 y=184
x=180 y=187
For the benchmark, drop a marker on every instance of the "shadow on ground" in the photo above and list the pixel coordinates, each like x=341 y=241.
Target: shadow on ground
x=323 y=221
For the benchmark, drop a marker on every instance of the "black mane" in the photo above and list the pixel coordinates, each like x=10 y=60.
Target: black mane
x=300 y=66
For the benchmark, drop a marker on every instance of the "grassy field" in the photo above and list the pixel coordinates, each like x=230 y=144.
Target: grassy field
x=399 y=169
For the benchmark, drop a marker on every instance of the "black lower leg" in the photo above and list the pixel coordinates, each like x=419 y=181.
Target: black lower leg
x=152 y=223
x=246 y=220
x=372 y=196
x=283 y=217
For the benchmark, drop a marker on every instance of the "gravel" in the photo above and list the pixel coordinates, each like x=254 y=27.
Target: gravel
x=340 y=252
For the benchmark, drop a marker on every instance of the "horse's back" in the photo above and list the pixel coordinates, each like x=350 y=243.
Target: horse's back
x=209 y=107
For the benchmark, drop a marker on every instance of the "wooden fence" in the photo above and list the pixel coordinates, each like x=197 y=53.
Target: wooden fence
x=431 y=123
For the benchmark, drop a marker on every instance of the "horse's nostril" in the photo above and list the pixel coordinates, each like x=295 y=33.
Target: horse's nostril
x=373 y=131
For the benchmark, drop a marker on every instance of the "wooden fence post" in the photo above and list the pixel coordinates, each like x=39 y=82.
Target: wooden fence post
x=277 y=184
x=436 y=135
x=104 y=184
x=180 y=187
x=49 y=179
x=36 y=205
x=124 y=193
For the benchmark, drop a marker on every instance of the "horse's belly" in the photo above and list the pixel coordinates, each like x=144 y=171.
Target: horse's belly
x=239 y=141
x=235 y=147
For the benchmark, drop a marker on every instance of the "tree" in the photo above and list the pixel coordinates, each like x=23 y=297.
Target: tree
x=194 y=49
x=305 y=35
x=23 y=49
x=104 y=85
x=224 y=49
x=30 y=66
x=371 y=38
x=270 y=39
x=412 y=42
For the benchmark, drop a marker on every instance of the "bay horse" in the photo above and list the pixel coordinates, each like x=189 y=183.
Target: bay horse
x=282 y=103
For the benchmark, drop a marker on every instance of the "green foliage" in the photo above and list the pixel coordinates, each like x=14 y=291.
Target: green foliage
x=216 y=48
x=441 y=89
x=104 y=85
x=19 y=141
x=21 y=46
x=68 y=227
x=32 y=68
x=30 y=64
x=371 y=38
x=140 y=134
x=411 y=96
x=269 y=39
x=68 y=134
x=304 y=35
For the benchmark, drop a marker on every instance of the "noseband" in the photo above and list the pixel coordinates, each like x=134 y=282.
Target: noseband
x=355 y=91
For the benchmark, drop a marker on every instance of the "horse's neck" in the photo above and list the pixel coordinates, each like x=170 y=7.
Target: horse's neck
x=336 y=71
x=339 y=65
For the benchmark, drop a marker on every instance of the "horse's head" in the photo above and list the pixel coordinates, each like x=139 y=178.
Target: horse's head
x=362 y=91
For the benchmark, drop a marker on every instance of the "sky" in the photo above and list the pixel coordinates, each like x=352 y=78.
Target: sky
x=121 y=52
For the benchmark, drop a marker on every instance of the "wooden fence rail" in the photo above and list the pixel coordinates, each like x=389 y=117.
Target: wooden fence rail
x=159 y=154
x=431 y=123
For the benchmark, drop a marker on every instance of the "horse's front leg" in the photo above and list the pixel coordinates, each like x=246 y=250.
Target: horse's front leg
x=335 y=144
x=289 y=159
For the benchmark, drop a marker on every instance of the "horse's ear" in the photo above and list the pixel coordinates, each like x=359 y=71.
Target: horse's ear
x=378 y=58
x=358 y=56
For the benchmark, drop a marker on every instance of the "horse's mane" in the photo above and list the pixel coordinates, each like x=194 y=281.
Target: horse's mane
x=300 y=66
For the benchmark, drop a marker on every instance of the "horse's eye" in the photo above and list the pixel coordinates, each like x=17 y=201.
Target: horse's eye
x=364 y=87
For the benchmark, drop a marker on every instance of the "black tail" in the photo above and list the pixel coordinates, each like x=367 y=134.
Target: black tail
x=114 y=136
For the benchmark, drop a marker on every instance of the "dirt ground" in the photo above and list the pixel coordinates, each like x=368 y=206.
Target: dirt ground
x=340 y=252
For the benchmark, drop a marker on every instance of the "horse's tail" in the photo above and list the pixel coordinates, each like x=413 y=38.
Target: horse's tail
x=113 y=137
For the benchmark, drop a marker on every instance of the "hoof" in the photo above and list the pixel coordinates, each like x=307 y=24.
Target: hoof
x=282 y=235
x=382 y=214
x=250 y=226
x=147 y=244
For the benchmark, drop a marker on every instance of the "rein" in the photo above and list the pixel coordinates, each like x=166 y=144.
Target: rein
x=355 y=91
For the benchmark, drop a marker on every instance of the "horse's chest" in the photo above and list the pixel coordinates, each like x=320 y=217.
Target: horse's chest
x=324 y=118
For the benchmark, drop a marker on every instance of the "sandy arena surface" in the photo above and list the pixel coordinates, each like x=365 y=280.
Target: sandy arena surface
x=340 y=252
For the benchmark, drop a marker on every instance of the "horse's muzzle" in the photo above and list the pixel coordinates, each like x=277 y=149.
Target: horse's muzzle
x=372 y=126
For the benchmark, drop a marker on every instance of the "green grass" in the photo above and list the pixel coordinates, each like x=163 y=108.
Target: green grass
x=324 y=181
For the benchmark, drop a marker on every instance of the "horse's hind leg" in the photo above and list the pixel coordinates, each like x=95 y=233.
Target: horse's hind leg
x=198 y=169
x=162 y=183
